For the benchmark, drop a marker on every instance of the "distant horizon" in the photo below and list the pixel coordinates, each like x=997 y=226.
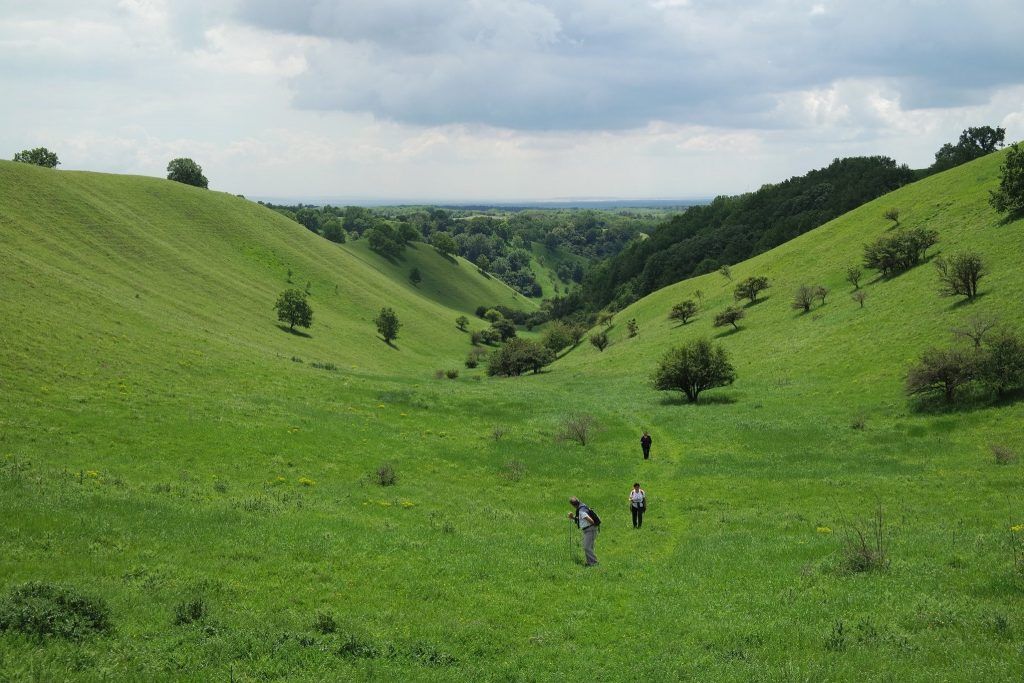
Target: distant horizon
x=553 y=203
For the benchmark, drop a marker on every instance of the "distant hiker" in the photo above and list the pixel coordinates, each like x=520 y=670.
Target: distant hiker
x=645 y=443
x=588 y=523
x=637 y=505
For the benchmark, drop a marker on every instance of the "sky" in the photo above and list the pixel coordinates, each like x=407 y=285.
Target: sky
x=502 y=100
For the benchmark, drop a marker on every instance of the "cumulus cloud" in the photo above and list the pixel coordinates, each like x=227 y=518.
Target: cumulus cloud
x=562 y=64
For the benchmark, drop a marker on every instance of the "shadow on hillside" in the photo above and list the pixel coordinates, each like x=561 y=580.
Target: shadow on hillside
x=702 y=400
x=728 y=333
x=1011 y=218
x=389 y=343
x=966 y=302
x=679 y=324
x=297 y=333
x=969 y=400
x=751 y=304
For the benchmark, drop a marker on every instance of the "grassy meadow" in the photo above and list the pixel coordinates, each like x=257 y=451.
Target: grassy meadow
x=166 y=446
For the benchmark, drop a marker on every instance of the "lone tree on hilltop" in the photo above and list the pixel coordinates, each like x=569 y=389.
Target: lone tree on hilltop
x=184 y=170
x=960 y=273
x=600 y=340
x=293 y=308
x=750 y=288
x=1009 y=198
x=387 y=324
x=730 y=316
x=694 y=367
x=40 y=156
x=683 y=311
x=974 y=142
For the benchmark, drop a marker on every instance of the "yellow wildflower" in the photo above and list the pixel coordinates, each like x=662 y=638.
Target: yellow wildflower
x=1017 y=528
x=823 y=530
x=407 y=504
x=306 y=481
x=92 y=474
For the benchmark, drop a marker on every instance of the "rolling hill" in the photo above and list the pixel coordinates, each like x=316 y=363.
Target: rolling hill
x=165 y=447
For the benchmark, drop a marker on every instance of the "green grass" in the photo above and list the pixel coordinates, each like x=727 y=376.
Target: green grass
x=153 y=447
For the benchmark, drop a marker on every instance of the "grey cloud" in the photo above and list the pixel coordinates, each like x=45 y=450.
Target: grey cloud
x=559 y=64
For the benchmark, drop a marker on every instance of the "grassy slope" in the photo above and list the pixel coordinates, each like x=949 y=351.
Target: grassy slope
x=152 y=449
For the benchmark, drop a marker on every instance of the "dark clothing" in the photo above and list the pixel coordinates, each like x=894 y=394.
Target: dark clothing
x=645 y=443
x=638 y=516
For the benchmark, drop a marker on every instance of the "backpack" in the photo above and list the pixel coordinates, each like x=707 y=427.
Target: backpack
x=593 y=515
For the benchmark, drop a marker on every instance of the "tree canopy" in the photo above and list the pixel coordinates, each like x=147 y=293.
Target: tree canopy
x=184 y=170
x=1009 y=198
x=693 y=368
x=974 y=142
x=40 y=156
x=293 y=308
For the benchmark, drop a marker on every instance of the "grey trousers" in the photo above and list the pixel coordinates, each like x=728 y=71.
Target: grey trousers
x=589 y=534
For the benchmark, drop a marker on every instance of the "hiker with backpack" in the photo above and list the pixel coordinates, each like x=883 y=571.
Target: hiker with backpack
x=588 y=522
x=645 y=444
x=637 y=505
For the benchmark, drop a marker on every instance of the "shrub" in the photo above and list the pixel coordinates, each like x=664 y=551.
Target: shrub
x=385 y=475
x=453 y=373
x=750 y=288
x=518 y=356
x=892 y=215
x=632 y=328
x=726 y=272
x=853 y=276
x=40 y=156
x=41 y=609
x=505 y=328
x=1003 y=455
x=975 y=328
x=693 y=368
x=683 y=311
x=859 y=423
x=480 y=311
x=959 y=275
x=476 y=337
x=557 y=336
x=576 y=332
x=293 y=308
x=865 y=550
x=820 y=293
x=803 y=298
x=600 y=340
x=474 y=357
x=325 y=623
x=415 y=277
x=899 y=251
x=1001 y=365
x=497 y=433
x=438 y=374
x=492 y=314
x=323 y=366
x=859 y=296
x=461 y=322
x=387 y=324
x=1009 y=198
x=190 y=611
x=940 y=371
x=579 y=428
x=730 y=316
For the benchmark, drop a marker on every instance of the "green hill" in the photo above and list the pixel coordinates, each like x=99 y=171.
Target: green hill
x=162 y=448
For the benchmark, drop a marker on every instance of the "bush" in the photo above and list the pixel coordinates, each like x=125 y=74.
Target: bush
x=476 y=337
x=683 y=311
x=853 y=276
x=750 y=288
x=557 y=336
x=453 y=373
x=892 y=215
x=1001 y=365
x=600 y=340
x=820 y=293
x=803 y=298
x=730 y=316
x=41 y=609
x=40 y=156
x=579 y=428
x=415 y=277
x=1009 y=198
x=505 y=328
x=325 y=623
x=959 y=275
x=632 y=328
x=900 y=250
x=865 y=550
x=1003 y=455
x=975 y=328
x=518 y=356
x=385 y=475
x=693 y=368
x=859 y=296
x=474 y=357
x=941 y=371
x=292 y=308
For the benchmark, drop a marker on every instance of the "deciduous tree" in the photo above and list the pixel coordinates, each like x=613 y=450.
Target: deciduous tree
x=184 y=170
x=293 y=308
x=693 y=368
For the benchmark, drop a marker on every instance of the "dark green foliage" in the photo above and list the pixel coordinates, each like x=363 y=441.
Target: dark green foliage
x=899 y=250
x=505 y=328
x=600 y=340
x=693 y=368
x=518 y=356
x=750 y=288
x=461 y=322
x=383 y=239
x=631 y=327
x=960 y=273
x=452 y=373
x=190 y=611
x=184 y=170
x=444 y=243
x=40 y=156
x=293 y=308
x=557 y=336
x=1009 y=198
x=476 y=337
x=732 y=229
x=974 y=142
x=415 y=277
x=41 y=609
x=387 y=324
x=683 y=311
x=1001 y=365
x=730 y=316
x=892 y=215
x=474 y=357
x=385 y=475
x=941 y=372
x=325 y=623
x=333 y=230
